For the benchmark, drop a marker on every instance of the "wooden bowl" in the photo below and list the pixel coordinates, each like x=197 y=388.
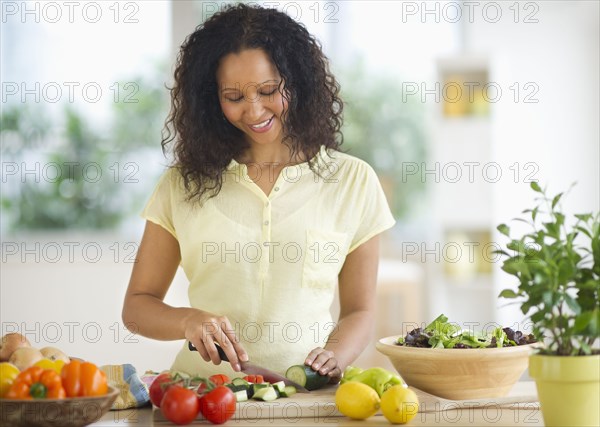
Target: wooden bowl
x=458 y=374
x=70 y=412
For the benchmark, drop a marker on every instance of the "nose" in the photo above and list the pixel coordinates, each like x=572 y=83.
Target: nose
x=254 y=109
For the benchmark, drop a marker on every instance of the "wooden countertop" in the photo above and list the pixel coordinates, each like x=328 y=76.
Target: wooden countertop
x=518 y=408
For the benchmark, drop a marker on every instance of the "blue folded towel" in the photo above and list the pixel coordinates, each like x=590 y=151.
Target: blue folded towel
x=133 y=392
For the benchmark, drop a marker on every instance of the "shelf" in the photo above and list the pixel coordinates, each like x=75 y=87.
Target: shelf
x=464 y=86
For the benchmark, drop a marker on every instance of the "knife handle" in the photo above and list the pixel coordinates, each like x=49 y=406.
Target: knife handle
x=222 y=354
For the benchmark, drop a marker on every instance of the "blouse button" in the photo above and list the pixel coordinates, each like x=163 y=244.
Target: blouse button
x=266 y=222
x=276 y=189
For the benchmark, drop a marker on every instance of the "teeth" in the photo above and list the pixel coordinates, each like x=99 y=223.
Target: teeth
x=261 y=125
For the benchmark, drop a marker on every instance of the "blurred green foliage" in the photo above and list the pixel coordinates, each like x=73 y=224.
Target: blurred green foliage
x=386 y=131
x=62 y=173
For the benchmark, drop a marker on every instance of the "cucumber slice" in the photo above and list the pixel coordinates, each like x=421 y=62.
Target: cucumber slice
x=240 y=381
x=256 y=387
x=260 y=385
x=306 y=377
x=279 y=386
x=288 y=391
x=236 y=388
x=266 y=394
x=253 y=388
x=241 y=395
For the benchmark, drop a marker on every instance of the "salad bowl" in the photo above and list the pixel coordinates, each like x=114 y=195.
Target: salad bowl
x=458 y=373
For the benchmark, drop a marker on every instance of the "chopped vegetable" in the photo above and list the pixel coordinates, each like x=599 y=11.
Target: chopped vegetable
x=288 y=391
x=256 y=387
x=240 y=381
x=442 y=334
x=219 y=379
x=256 y=379
x=235 y=388
x=266 y=394
x=279 y=386
x=241 y=395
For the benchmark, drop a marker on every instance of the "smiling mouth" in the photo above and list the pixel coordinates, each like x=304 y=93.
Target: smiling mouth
x=262 y=125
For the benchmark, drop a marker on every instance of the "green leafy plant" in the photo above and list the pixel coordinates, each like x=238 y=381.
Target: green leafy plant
x=558 y=268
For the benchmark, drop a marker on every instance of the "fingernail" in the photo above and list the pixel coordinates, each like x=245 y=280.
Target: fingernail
x=316 y=366
x=244 y=358
x=237 y=367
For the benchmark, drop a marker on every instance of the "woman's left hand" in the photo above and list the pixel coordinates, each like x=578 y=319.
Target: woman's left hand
x=324 y=362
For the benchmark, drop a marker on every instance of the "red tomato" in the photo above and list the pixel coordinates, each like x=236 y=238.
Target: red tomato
x=219 y=379
x=218 y=405
x=256 y=379
x=180 y=405
x=159 y=387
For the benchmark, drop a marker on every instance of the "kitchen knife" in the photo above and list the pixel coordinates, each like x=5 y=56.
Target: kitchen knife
x=250 y=369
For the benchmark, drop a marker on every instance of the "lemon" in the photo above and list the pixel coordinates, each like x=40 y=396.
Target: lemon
x=356 y=400
x=399 y=404
x=8 y=373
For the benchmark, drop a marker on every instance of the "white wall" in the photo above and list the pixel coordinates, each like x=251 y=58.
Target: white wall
x=67 y=292
x=560 y=133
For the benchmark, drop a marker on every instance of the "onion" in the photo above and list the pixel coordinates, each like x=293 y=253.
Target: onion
x=54 y=353
x=11 y=342
x=25 y=357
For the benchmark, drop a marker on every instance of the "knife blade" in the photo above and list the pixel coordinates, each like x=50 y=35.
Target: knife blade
x=251 y=369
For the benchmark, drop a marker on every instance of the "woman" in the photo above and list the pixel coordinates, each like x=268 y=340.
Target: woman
x=260 y=208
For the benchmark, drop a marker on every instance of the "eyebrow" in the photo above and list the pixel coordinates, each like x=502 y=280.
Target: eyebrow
x=237 y=86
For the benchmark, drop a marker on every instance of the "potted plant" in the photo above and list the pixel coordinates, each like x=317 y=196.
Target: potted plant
x=558 y=270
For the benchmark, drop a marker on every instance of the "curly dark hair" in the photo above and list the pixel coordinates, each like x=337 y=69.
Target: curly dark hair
x=204 y=143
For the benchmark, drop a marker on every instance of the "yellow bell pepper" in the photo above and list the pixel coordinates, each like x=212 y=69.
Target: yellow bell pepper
x=378 y=379
x=8 y=373
x=55 y=365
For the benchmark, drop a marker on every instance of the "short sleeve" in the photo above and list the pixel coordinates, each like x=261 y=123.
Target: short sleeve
x=159 y=208
x=373 y=213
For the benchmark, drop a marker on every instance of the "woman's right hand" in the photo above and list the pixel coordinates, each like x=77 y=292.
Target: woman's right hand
x=204 y=330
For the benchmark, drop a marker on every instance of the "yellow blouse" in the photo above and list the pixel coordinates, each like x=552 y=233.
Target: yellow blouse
x=270 y=263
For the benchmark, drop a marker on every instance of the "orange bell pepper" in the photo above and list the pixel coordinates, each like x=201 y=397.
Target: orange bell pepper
x=37 y=383
x=83 y=379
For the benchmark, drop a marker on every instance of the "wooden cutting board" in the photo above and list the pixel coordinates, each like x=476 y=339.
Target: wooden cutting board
x=321 y=403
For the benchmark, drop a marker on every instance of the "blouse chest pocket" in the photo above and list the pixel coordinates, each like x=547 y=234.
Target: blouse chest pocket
x=324 y=257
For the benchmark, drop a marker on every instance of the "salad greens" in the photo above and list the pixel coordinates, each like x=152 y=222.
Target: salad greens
x=442 y=334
